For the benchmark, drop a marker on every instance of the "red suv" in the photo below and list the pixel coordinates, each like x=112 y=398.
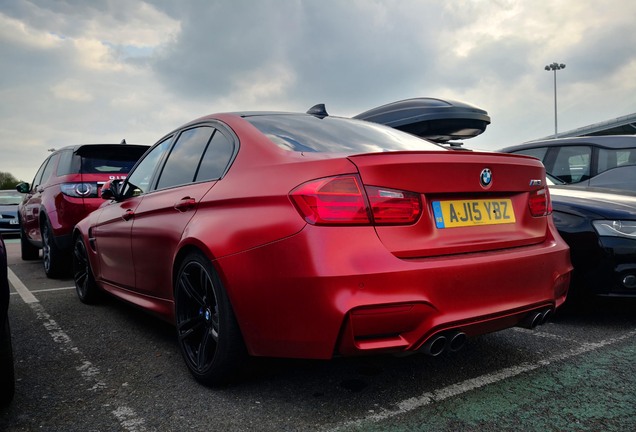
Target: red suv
x=64 y=190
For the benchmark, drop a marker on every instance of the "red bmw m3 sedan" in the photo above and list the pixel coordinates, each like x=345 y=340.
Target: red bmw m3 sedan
x=310 y=236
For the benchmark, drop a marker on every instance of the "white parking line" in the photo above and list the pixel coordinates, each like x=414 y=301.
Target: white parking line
x=439 y=395
x=24 y=292
x=48 y=290
x=126 y=416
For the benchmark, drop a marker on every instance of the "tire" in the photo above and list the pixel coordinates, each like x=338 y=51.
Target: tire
x=7 y=374
x=28 y=251
x=87 y=290
x=56 y=263
x=209 y=336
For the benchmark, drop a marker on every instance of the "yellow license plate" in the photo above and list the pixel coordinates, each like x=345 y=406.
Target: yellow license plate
x=461 y=213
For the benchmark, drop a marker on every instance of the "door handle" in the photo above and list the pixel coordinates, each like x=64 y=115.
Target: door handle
x=185 y=204
x=128 y=215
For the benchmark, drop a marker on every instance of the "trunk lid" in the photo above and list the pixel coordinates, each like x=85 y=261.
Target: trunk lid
x=460 y=215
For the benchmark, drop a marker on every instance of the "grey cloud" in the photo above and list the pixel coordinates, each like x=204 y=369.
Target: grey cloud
x=340 y=51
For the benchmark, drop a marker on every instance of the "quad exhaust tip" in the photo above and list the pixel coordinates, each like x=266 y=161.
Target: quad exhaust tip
x=451 y=341
x=536 y=318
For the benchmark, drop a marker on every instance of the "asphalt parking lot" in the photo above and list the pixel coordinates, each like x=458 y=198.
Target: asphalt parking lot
x=112 y=368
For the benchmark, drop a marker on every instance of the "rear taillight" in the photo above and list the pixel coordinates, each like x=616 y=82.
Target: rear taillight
x=540 y=203
x=393 y=207
x=342 y=200
x=80 y=190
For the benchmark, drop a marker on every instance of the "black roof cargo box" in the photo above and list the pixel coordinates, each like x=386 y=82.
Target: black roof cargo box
x=434 y=119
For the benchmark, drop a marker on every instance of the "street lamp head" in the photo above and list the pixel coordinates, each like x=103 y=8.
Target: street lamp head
x=555 y=66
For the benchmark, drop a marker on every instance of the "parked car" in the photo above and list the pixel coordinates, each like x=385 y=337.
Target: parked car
x=309 y=236
x=9 y=201
x=7 y=378
x=595 y=161
x=599 y=225
x=63 y=191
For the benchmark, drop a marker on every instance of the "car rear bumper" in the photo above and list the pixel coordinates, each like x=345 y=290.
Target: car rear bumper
x=331 y=290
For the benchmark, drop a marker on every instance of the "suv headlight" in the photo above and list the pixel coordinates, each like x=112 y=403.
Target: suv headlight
x=615 y=228
x=80 y=190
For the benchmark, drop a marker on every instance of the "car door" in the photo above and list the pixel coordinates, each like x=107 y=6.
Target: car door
x=113 y=229
x=30 y=211
x=162 y=216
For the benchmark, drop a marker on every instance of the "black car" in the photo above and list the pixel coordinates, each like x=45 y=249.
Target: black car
x=595 y=161
x=7 y=381
x=599 y=225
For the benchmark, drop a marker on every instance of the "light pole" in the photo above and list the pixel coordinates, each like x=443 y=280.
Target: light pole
x=555 y=67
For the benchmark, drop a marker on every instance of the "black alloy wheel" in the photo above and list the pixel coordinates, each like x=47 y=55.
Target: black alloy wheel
x=55 y=263
x=209 y=337
x=85 y=285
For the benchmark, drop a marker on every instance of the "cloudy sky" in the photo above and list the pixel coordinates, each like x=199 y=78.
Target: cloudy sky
x=78 y=71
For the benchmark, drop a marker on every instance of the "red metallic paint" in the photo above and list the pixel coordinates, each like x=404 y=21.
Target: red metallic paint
x=301 y=290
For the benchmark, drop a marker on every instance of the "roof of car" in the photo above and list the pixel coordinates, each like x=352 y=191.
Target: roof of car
x=607 y=141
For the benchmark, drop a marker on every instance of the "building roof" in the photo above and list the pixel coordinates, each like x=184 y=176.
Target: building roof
x=625 y=125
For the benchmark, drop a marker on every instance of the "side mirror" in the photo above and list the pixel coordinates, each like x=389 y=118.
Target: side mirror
x=110 y=190
x=23 y=187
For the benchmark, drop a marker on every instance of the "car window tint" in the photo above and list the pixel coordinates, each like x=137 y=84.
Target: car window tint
x=38 y=175
x=183 y=161
x=610 y=158
x=572 y=164
x=64 y=165
x=538 y=153
x=307 y=133
x=216 y=158
x=49 y=167
x=138 y=182
x=106 y=166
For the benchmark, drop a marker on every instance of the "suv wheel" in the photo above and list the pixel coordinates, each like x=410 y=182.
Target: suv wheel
x=56 y=264
x=28 y=251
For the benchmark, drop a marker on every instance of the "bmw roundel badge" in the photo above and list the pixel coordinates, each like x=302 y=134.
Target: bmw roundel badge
x=485 y=178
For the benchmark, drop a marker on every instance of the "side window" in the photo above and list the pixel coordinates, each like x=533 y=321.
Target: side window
x=608 y=159
x=38 y=175
x=49 y=168
x=538 y=153
x=572 y=164
x=138 y=182
x=185 y=157
x=216 y=158
x=64 y=165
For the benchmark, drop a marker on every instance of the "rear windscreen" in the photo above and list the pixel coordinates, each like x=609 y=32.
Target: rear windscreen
x=106 y=166
x=307 y=133
x=101 y=159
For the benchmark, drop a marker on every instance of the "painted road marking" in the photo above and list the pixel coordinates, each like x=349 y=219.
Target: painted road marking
x=453 y=390
x=48 y=290
x=24 y=292
x=126 y=416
